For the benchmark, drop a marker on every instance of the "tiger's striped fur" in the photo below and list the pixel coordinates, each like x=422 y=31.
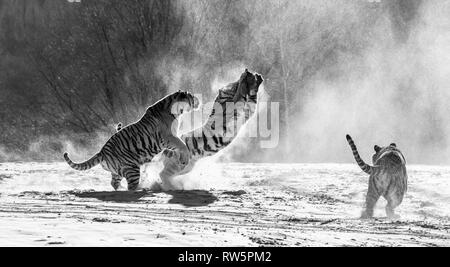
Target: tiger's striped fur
x=388 y=177
x=138 y=143
x=207 y=140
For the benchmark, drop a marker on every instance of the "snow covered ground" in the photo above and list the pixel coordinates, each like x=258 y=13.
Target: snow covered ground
x=48 y=204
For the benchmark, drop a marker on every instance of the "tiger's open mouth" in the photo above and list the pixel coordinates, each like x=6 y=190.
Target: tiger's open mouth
x=253 y=97
x=196 y=103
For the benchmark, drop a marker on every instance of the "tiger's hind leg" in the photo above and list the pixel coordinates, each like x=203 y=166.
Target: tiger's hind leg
x=394 y=201
x=115 y=181
x=371 y=200
x=133 y=175
x=390 y=213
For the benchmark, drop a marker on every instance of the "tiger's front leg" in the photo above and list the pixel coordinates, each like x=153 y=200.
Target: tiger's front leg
x=176 y=148
x=173 y=168
x=175 y=156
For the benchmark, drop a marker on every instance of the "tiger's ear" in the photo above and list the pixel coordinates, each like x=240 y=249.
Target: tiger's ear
x=377 y=149
x=394 y=144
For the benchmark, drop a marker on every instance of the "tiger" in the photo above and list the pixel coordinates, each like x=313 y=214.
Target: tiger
x=131 y=147
x=207 y=141
x=388 y=178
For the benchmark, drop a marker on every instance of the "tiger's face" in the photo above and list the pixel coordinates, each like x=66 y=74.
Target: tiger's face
x=248 y=86
x=389 y=154
x=184 y=102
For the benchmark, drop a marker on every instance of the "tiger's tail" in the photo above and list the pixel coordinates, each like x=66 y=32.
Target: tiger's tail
x=364 y=166
x=94 y=161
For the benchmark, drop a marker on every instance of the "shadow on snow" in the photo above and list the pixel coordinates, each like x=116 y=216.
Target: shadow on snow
x=196 y=198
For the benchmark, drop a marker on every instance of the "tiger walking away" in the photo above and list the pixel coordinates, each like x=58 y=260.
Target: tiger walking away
x=137 y=144
x=388 y=178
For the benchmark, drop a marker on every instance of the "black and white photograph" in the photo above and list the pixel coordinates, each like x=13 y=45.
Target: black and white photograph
x=224 y=124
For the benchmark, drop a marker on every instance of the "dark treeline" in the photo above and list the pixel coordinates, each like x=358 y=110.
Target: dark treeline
x=70 y=71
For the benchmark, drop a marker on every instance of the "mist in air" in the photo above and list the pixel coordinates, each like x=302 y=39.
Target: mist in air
x=378 y=70
x=395 y=90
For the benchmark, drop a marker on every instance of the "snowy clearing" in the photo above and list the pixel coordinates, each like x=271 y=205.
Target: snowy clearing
x=48 y=204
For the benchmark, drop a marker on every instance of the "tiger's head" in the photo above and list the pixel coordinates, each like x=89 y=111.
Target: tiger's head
x=389 y=154
x=248 y=86
x=183 y=102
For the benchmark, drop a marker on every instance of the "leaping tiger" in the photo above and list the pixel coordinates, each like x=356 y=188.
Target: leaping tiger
x=388 y=177
x=138 y=143
x=207 y=140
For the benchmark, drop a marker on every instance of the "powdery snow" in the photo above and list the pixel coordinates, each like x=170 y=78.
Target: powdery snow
x=48 y=204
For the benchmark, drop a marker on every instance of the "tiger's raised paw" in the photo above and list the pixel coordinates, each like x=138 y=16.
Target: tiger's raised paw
x=169 y=153
x=181 y=158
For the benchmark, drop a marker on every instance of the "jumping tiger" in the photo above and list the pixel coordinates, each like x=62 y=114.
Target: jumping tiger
x=388 y=178
x=138 y=143
x=209 y=140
